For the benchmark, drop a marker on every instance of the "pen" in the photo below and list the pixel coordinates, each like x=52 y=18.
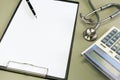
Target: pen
x=30 y=6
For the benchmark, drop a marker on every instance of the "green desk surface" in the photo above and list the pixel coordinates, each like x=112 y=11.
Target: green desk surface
x=80 y=68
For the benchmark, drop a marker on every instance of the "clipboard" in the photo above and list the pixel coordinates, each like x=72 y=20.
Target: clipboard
x=40 y=47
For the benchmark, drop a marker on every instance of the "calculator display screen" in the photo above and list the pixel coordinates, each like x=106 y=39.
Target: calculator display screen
x=103 y=63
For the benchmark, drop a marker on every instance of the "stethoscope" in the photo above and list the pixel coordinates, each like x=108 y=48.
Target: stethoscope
x=90 y=34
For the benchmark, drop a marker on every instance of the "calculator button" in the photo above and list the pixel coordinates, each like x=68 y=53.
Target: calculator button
x=109 y=35
x=114 y=39
x=111 y=41
x=117 y=35
x=107 y=38
x=118 y=51
x=112 y=33
x=117 y=57
x=114 y=30
x=114 y=48
x=109 y=44
x=104 y=40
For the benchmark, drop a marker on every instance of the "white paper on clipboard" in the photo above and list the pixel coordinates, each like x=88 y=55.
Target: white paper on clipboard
x=43 y=42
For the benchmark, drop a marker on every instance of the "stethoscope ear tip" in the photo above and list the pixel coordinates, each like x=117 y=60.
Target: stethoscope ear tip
x=90 y=34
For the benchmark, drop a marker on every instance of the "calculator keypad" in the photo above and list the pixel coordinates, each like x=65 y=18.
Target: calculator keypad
x=109 y=36
x=118 y=51
x=112 y=40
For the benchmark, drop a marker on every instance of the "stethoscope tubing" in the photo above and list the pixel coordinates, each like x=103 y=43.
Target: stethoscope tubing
x=89 y=34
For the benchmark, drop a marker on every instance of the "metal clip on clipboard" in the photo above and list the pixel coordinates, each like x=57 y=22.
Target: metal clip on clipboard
x=27 y=68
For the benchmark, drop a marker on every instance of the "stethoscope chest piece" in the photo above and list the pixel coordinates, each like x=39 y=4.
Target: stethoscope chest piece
x=90 y=34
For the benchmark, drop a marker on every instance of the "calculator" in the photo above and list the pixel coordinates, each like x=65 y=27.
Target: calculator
x=104 y=54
